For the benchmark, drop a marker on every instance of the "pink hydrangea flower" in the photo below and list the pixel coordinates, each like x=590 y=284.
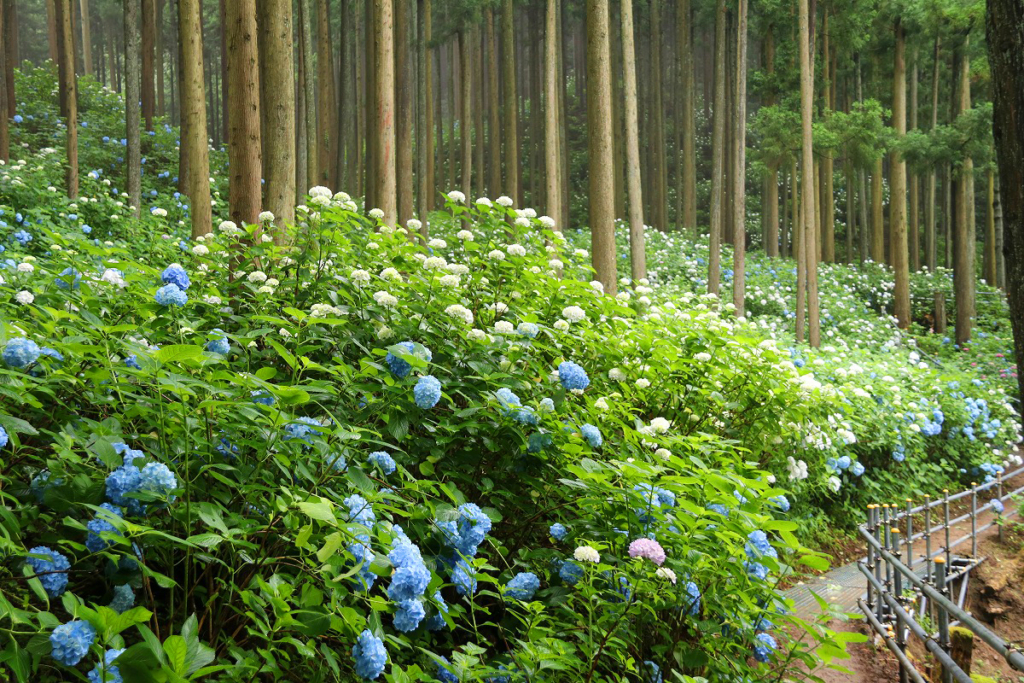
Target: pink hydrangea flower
x=647 y=549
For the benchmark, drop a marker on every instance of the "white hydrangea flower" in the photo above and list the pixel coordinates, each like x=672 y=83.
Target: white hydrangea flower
x=266 y=238
x=703 y=357
x=266 y=289
x=325 y=311
x=504 y=201
x=597 y=286
x=25 y=267
x=659 y=425
x=666 y=573
x=516 y=250
x=561 y=325
x=212 y=300
x=265 y=217
x=503 y=327
x=460 y=269
x=257 y=276
x=385 y=299
x=496 y=255
x=461 y=312
x=273 y=282
x=390 y=274
x=601 y=403
x=663 y=453
x=477 y=335
x=457 y=197
x=160 y=212
x=200 y=250
x=360 y=277
x=415 y=224
x=229 y=228
x=464 y=235
x=377 y=214
x=643 y=383
x=547 y=221
x=451 y=281
x=24 y=297
x=530 y=213
x=484 y=201
x=320 y=191
x=385 y=332
x=437 y=243
x=522 y=222
x=616 y=375
x=434 y=263
x=573 y=314
x=585 y=553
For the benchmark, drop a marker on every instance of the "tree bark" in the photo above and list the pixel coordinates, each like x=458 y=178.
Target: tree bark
x=914 y=181
x=991 y=278
x=5 y=140
x=930 y=251
x=552 y=171
x=86 y=38
x=148 y=39
x=637 y=252
x=466 y=120
x=301 y=138
x=193 y=115
x=161 y=109
x=827 y=248
x=810 y=246
x=963 y=237
x=428 y=188
x=133 y=158
x=70 y=88
x=494 y=107
x=1005 y=38
x=277 y=109
x=384 y=101
x=898 y=183
x=327 y=110
x=508 y=79
x=659 y=195
x=877 y=219
x=718 y=153
x=51 y=30
x=244 y=144
x=740 y=160
x=11 y=50
x=404 y=106
x=309 y=95
x=599 y=145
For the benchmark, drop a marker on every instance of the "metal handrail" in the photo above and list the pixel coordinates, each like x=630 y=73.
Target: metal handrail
x=1009 y=653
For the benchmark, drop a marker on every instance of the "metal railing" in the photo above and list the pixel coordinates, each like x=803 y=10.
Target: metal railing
x=896 y=582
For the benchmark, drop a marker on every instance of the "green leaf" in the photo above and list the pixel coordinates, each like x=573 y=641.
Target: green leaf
x=176 y=353
x=815 y=562
x=330 y=546
x=322 y=510
x=176 y=650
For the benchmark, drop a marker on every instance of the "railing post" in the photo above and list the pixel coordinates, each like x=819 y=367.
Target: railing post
x=887 y=543
x=871 y=556
x=945 y=523
x=999 y=490
x=940 y=584
x=910 y=536
x=928 y=538
x=880 y=536
x=974 y=519
x=901 y=641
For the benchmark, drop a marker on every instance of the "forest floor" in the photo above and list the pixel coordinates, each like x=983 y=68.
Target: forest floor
x=995 y=595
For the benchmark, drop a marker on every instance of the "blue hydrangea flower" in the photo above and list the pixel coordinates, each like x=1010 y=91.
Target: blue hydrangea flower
x=409 y=615
x=52 y=568
x=572 y=376
x=427 y=392
x=781 y=502
x=132 y=361
x=473 y=525
x=843 y=462
x=124 y=599
x=538 y=441
x=529 y=330
x=592 y=434
x=303 y=429
x=174 y=274
x=694 y=600
x=71 y=641
x=122 y=481
x=107 y=673
x=97 y=526
x=69 y=278
x=464 y=578
x=997 y=506
x=218 y=343
x=411 y=576
x=653 y=672
x=263 y=397
x=444 y=673
x=522 y=586
x=3 y=437
x=399 y=367
x=857 y=469
x=570 y=573
x=382 y=460
x=20 y=352
x=369 y=655
x=758 y=547
x=171 y=295
x=558 y=531
x=764 y=646
x=157 y=478
x=23 y=237
x=547 y=405
x=436 y=621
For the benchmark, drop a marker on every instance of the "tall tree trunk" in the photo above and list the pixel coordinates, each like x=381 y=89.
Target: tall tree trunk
x=478 y=111
x=659 y=196
x=327 y=124
x=739 y=173
x=309 y=94
x=133 y=116
x=5 y=139
x=851 y=210
x=384 y=93
x=552 y=172
x=466 y=121
x=990 y=229
x=277 y=110
x=718 y=153
x=453 y=108
x=69 y=88
x=508 y=80
x=11 y=50
x=827 y=194
x=810 y=246
x=86 y=38
x=783 y=241
x=1000 y=242
x=877 y=219
x=161 y=109
x=963 y=237
x=148 y=39
x=599 y=145
x=244 y=144
x=301 y=146
x=424 y=119
x=689 y=169
x=51 y=30
x=493 y=107
x=193 y=115
x=619 y=114
x=898 y=183
x=913 y=227
x=404 y=103
x=637 y=251
x=772 y=184
x=930 y=250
